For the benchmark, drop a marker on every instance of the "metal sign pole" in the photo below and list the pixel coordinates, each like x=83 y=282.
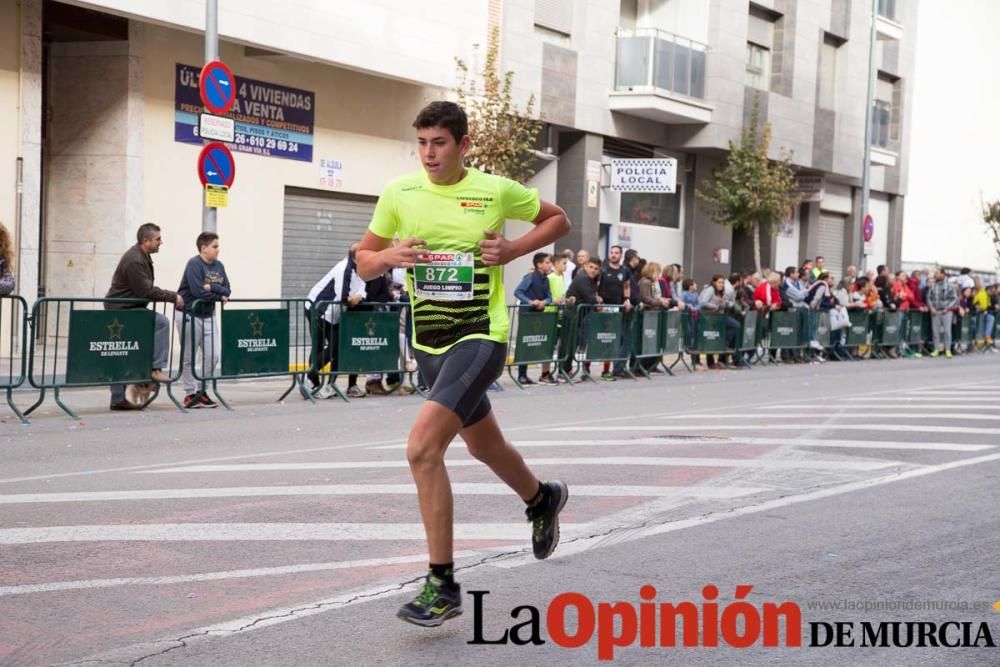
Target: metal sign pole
x=208 y=214
x=866 y=177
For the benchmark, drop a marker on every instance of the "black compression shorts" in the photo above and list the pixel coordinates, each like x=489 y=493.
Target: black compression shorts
x=460 y=377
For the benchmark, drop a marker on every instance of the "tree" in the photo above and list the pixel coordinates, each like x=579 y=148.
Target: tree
x=991 y=217
x=751 y=192
x=501 y=135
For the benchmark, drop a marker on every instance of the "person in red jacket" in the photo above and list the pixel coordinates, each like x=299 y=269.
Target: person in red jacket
x=901 y=293
x=767 y=296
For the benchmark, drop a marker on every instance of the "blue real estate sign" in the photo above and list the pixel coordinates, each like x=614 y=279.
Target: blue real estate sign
x=271 y=120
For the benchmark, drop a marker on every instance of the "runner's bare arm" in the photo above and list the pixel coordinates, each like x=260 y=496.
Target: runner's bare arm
x=551 y=224
x=377 y=255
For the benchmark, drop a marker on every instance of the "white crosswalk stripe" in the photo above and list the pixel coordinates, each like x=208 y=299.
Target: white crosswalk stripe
x=268 y=532
x=458 y=488
x=737 y=440
x=802 y=426
x=758 y=416
x=774 y=464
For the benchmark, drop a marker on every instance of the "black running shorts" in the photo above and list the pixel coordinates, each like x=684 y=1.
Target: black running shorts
x=460 y=377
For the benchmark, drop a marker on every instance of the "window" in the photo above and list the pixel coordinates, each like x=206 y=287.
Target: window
x=886 y=111
x=657 y=209
x=826 y=94
x=555 y=15
x=758 y=66
x=760 y=44
x=887 y=9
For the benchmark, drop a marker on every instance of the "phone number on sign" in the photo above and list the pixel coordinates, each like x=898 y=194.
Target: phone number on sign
x=264 y=142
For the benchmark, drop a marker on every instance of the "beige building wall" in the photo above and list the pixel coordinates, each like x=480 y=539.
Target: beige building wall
x=10 y=126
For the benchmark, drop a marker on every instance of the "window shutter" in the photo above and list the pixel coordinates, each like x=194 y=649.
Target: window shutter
x=555 y=14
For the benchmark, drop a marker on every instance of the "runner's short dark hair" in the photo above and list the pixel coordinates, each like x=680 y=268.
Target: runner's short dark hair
x=145 y=232
x=539 y=258
x=595 y=261
x=205 y=239
x=447 y=115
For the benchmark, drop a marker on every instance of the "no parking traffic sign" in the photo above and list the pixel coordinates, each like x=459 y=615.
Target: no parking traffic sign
x=216 y=165
x=218 y=87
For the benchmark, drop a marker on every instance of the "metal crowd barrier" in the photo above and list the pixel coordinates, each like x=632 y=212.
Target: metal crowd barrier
x=857 y=334
x=536 y=337
x=254 y=338
x=599 y=336
x=367 y=339
x=647 y=339
x=673 y=327
x=13 y=348
x=785 y=330
x=81 y=342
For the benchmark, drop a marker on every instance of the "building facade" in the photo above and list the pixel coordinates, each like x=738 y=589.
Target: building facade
x=97 y=124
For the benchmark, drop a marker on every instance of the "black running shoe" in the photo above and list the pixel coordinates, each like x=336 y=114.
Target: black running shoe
x=435 y=604
x=544 y=518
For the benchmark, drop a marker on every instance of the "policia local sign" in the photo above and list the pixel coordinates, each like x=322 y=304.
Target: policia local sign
x=109 y=346
x=652 y=175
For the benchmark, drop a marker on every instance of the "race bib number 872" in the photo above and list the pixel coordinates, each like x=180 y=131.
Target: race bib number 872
x=445 y=276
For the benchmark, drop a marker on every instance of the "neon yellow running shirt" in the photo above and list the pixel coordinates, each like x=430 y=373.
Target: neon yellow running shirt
x=453 y=218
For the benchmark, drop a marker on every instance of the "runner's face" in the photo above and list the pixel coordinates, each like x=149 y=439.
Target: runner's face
x=153 y=245
x=545 y=266
x=440 y=155
x=582 y=257
x=615 y=256
x=591 y=269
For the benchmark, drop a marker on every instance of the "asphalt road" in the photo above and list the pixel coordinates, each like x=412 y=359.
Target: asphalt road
x=288 y=534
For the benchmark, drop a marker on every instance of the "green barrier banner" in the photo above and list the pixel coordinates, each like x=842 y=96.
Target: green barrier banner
x=964 y=329
x=785 y=329
x=892 y=328
x=536 y=337
x=369 y=341
x=254 y=341
x=858 y=333
x=109 y=346
x=823 y=329
x=673 y=332
x=604 y=332
x=648 y=335
x=748 y=333
x=918 y=328
x=711 y=336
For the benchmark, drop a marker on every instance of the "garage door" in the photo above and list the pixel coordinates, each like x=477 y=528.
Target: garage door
x=319 y=229
x=830 y=242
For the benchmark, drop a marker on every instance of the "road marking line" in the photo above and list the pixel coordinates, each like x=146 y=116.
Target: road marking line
x=218 y=576
x=736 y=440
x=782 y=464
x=740 y=440
x=709 y=429
x=265 y=532
x=460 y=488
x=964 y=416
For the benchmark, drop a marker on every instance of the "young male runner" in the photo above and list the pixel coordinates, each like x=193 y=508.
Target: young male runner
x=450 y=219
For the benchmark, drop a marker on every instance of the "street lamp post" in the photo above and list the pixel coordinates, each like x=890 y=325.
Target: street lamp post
x=208 y=213
x=866 y=176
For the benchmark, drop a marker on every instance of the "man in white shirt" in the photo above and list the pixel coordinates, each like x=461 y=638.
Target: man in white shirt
x=334 y=286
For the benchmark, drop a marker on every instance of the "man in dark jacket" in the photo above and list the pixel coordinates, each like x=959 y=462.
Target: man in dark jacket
x=133 y=279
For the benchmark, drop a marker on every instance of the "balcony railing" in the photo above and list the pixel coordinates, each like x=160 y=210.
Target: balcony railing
x=655 y=59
